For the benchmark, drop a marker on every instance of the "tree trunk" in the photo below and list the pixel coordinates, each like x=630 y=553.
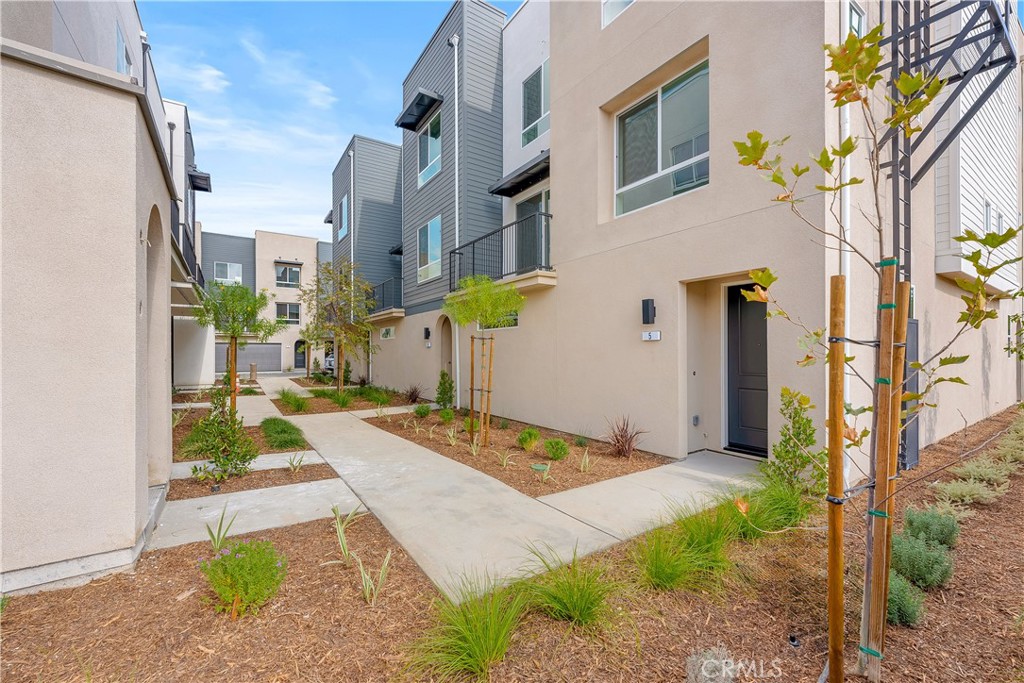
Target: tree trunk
x=339 y=366
x=233 y=372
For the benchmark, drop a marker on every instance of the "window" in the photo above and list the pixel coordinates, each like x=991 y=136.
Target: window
x=343 y=218
x=536 y=104
x=661 y=145
x=856 y=20
x=610 y=9
x=430 y=149
x=428 y=264
x=287 y=276
x=508 y=321
x=289 y=313
x=124 y=57
x=988 y=216
x=227 y=273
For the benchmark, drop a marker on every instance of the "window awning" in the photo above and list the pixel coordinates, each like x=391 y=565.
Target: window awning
x=396 y=250
x=200 y=181
x=329 y=218
x=527 y=175
x=422 y=103
x=287 y=262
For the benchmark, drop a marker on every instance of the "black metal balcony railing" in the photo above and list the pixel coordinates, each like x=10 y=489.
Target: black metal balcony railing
x=387 y=294
x=188 y=251
x=512 y=249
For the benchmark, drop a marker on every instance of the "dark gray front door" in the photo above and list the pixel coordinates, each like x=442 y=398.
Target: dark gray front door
x=748 y=374
x=300 y=354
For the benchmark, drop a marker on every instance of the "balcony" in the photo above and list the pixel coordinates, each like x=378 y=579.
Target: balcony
x=387 y=300
x=519 y=252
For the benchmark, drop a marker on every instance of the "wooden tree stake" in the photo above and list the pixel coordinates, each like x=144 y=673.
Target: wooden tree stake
x=472 y=382
x=490 y=377
x=836 y=483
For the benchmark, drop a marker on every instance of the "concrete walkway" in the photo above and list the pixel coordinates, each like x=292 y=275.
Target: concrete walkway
x=184 y=521
x=268 y=461
x=273 y=384
x=458 y=522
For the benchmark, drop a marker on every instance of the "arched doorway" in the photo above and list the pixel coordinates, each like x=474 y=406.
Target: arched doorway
x=155 y=310
x=446 y=345
x=300 y=354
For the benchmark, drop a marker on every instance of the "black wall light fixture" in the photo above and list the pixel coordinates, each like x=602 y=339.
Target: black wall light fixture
x=426 y=333
x=647 y=310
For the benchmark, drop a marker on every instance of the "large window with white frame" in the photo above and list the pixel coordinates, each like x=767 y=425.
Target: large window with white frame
x=429 y=149
x=536 y=104
x=856 y=20
x=428 y=260
x=227 y=273
x=124 y=56
x=610 y=9
x=662 y=143
x=288 y=313
x=343 y=218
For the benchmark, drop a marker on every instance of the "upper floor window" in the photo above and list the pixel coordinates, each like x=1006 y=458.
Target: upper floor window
x=124 y=57
x=287 y=276
x=428 y=260
x=856 y=20
x=289 y=313
x=661 y=145
x=227 y=273
x=343 y=218
x=430 y=149
x=610 y=9
x=536 y=104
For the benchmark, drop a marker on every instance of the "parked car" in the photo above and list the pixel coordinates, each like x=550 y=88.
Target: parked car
x=329 y=364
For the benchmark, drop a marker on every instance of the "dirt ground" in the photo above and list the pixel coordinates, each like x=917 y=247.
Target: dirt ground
x=152 y=624
x=188 y=422
x=182 y=489
x=564 y=474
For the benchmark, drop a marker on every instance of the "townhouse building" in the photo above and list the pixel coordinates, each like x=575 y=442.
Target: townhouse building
x=280 y=264
x=633 y=247
x=92 y=190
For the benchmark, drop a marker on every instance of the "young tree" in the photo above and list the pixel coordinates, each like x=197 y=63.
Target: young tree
x=340 y=301
x=855 y=82
x=481 y=300
x=235 y=312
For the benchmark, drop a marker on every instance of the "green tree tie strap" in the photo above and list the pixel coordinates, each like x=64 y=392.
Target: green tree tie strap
x=883 y=380
x=883 y=307
x=878 y=513
x=869 y=651
x=888 y=262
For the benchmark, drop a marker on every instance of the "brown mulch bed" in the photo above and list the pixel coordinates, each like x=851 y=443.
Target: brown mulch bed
x=312 y=383
x=565 y=474
x=151 y=625
x=192 y=416
x=326 y=405
x=180 y=489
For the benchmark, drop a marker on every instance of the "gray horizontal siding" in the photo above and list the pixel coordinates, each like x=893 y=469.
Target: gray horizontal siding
x=340 y=187
x=231 y=249
x=377 y=208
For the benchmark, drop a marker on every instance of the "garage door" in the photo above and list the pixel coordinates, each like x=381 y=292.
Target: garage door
x=267 y=357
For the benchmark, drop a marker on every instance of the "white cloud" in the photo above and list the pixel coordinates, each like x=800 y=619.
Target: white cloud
x=281 y=69
x=176 y=66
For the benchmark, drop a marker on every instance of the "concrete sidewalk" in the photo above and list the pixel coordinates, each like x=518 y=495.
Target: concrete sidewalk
x=273 y=384
x=456 y=522
x=267 y=461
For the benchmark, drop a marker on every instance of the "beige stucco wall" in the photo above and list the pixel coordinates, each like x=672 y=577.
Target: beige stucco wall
x=406 y=359
x=79 y=184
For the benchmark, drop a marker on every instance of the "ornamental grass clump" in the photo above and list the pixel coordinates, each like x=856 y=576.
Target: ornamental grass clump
x=245 y=576
x=931 y=524
x=281 y=433
x=664 y=564
x=706 y=535
x=295 y=403
x=576 y=592
x=906 y=602
x=557 y=449
x=776 y=505
x=624 y=437
x=925 y=563
x=472 y=632
x=342 y=399
x=528 y=439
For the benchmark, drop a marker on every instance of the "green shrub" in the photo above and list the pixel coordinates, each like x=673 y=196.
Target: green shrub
x=249 y=391
x=986 y=469
x=906 y=602
x=528 y=439
x=776 y=505
x=373 y=394
x=342 y=399
x=795 y=461
x=422 y=410
x=576 y=592
x=967 y=491
x=472 y=632
x=316 y=366
x=931 y=524
x=296 y=403
x=346 y=374
x=469 y=424
x=503 y=424
x=447 y=415
x=220 y=437
x=557 y=449
x=926 y=564
x=665 y=564
x=281 y=433
x=1010 y=449
x=245 y=576
x=322 y=378
x=580 y=441
x=445 y=392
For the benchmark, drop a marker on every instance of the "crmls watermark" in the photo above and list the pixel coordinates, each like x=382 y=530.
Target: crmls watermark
x=743 y=669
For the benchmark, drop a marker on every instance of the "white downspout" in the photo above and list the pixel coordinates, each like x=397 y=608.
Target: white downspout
x=844 y=216
x=454 y=42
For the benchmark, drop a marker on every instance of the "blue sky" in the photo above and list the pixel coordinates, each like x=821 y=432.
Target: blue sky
x=275 y=91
